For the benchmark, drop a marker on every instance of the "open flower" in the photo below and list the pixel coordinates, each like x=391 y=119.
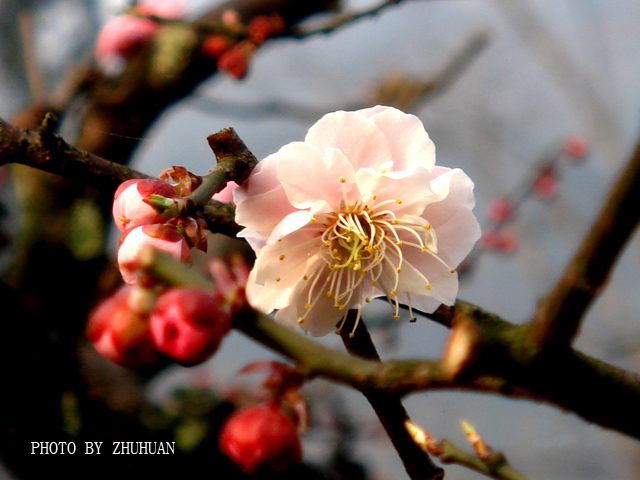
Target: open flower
x=356 y=211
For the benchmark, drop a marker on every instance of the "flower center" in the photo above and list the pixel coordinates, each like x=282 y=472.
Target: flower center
x=365 y=247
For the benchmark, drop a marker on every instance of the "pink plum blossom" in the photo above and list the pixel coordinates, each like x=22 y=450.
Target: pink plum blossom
x=129 y=206
x=356 y=211
x=161 y=236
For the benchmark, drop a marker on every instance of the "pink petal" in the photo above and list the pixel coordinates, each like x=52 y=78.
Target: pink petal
x=309 y=175
x=263 y=212
x=359 y=139
x=410 y=188
x=408 y=140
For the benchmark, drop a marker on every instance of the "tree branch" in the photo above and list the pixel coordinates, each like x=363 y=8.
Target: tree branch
x=494 y=356
x=389 y=409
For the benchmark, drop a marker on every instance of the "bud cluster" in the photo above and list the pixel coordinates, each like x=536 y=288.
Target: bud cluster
x=153 y=212
x=144 y=322
x=139 y=326
x=234 y=45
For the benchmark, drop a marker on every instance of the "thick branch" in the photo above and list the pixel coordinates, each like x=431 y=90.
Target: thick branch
x=46 y=151
x=500 y=359
x=557 y=319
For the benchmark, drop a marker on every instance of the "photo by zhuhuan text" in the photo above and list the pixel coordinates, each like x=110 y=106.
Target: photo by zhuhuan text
x=108 y=448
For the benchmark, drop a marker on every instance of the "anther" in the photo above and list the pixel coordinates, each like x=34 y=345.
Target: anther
x=307 y=306
x=281 y=257
x=277 y=279
x=398 y=201
x=300 y=320
x=342 y=179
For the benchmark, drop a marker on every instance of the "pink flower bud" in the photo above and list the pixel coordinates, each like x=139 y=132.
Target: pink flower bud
x=546 y=184
x=188 y=324
x=502 y=240
x=124 y=36
x=129 y=207
x=575 y=147
x=261 y=438
x=500 y=210
x=118 y=328
x=134 y=241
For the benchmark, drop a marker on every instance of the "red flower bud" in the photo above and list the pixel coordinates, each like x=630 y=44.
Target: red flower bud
x=215 y=45
x=235 y=62
x=188 y=324
x=261 y=438
x=129 y=206
x=264 y=26
x=118 y=328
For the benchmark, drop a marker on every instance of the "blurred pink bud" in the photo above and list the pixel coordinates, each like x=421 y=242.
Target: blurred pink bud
x=503 y=240
x=134 y=241
x=226 y=194
x=500 y=209
x=118 y=328
x=575 y=147
x=261 y=438
x=546 y=184
x=129 y=206
x=124 y=36
x=235 y=61
x=161 y=8
x=189 y=324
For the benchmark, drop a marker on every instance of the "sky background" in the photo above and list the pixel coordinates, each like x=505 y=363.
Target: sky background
x=551 y=69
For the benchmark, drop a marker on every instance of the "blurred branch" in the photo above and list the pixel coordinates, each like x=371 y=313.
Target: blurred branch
x=342 y=19
x=34 y=75
x=558 y=316
x=401 y=91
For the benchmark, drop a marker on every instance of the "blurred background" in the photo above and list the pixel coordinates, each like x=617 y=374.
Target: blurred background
x=508 y=83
